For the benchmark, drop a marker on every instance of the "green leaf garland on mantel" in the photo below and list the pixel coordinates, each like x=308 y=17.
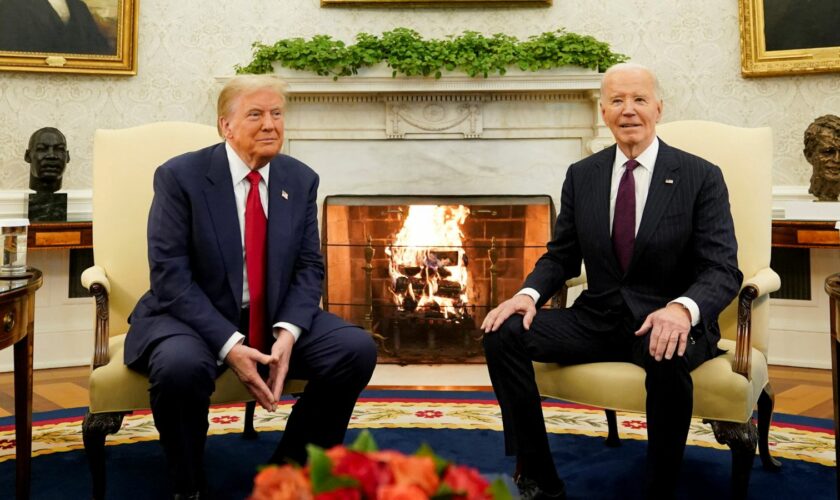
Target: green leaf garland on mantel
x=409 y=54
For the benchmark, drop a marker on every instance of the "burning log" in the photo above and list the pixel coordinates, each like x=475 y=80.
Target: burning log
x=401 y=285
x=440 y=258
x=449 y=289
x=409 y=270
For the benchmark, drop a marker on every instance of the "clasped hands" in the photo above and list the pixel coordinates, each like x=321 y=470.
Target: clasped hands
x=243 y=361
x=668 y=326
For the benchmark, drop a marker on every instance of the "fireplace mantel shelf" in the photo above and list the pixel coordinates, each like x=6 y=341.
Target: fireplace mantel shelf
x=378 y=80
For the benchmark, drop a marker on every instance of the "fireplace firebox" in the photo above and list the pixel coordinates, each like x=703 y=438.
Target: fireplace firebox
x=421 y=272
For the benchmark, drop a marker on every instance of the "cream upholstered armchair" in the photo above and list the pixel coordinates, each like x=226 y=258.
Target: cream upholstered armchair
x=123 y=164
x=729 y=387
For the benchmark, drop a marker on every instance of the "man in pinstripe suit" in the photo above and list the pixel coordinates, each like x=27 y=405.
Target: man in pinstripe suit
x=652 y=225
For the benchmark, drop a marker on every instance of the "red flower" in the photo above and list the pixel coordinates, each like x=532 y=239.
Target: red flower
x=429 y=413
x=281 y=483
x=360 y=472
x=7 y=444
x=634 y=424
x=401 y=492
x=361 y=467
x=466 y=482
x=225 y=419
x=340 y=494
x=416 y=470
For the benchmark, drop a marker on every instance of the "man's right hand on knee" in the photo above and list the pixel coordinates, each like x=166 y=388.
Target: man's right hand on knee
x=518 y=304
x=243 y=361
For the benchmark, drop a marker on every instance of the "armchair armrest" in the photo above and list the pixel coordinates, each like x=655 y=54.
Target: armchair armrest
x=580 y=280
x=762 y=283
x=96 y=281
x=765 y=281
x=560 y=298
x=95 y=275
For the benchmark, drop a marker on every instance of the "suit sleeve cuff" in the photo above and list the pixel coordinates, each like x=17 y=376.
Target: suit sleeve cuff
x=530 y=292
x=692 y=307
x=236 y=338
x=293 y=329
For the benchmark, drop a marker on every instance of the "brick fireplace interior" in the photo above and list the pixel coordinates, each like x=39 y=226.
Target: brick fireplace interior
x=421 y=272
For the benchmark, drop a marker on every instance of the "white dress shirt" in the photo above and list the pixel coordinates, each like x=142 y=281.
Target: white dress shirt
x=241 y=187
x=642 y=175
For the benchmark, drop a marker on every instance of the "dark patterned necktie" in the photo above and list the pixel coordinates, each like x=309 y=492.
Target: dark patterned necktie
x=255 y=236
x=624 y=218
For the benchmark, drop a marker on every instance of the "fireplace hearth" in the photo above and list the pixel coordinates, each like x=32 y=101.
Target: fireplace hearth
x=421 y=272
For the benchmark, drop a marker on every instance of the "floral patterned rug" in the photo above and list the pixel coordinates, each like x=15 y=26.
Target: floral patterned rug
x=794 y=438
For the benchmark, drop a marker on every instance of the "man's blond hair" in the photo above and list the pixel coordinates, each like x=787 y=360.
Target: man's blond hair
x=245 y=84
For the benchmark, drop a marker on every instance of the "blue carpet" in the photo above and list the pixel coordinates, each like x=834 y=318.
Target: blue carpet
x=591 y=470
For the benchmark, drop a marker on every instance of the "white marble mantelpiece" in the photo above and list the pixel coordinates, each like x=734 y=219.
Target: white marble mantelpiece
x=378 y=79
x=513 y=134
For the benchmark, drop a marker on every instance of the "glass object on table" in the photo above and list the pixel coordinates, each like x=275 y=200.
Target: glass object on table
x=13 y=232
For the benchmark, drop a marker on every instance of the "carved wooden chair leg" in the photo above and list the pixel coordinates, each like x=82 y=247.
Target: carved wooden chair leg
x=249 y=432
x=741 y=439
x=94 y=429
x=613 y=440
x=766 y=402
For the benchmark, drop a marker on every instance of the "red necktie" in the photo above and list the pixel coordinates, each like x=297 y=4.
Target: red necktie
x=624 y=217
x=255 y=231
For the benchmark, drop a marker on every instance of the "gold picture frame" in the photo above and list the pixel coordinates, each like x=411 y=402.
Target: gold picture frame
x=436 y=3
x=787 y=40
x=100 y=38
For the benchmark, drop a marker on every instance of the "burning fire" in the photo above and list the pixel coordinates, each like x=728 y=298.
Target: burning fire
x=428 y=265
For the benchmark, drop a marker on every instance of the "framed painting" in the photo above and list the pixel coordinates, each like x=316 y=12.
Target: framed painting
x=787 y=37
x=436 y=3
x=69 y=36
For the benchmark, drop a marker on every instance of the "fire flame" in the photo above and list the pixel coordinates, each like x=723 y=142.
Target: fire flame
x=428 y=265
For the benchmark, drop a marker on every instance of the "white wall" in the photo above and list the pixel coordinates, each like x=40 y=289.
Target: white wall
x=694 y=47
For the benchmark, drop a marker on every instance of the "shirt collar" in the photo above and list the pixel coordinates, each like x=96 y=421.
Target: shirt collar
x=239 y=170
x=647 y=159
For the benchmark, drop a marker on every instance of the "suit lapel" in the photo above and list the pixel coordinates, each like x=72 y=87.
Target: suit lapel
x=659 y=196
x=279 y=230
x=602 y=171
x=602 y=180
x=221 y=204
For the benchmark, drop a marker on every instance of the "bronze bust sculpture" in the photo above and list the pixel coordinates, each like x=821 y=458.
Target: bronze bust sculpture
x=47 y=157
x=822 y=150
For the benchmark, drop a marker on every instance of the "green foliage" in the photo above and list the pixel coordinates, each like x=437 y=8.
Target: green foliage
x=426 y=451
x=409 y=54
x=364 y=443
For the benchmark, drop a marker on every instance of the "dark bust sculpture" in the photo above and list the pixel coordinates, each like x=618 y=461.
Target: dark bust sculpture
x=822 y=150
x=47 y=156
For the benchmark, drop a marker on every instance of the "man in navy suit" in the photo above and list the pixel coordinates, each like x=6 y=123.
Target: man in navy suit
x=194 y=321
x=652 y=225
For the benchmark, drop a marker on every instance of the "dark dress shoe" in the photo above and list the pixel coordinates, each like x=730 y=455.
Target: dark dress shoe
x=530 y=490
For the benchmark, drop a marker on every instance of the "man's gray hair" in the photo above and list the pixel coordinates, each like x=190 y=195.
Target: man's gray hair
x=629 y=66
x=246 y=84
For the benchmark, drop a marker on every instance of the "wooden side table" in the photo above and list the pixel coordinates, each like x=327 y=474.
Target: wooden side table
x=832 y=288
x=17 y=316
x=805 y=234
x=51 y=235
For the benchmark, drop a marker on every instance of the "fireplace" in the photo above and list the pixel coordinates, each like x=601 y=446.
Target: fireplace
x=421 y=272
x=452 y=141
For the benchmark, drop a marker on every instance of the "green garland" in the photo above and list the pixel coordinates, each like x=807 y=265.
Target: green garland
x=407 y=53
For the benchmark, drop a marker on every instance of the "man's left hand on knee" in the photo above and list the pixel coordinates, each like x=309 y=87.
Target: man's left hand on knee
x=668 y=328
